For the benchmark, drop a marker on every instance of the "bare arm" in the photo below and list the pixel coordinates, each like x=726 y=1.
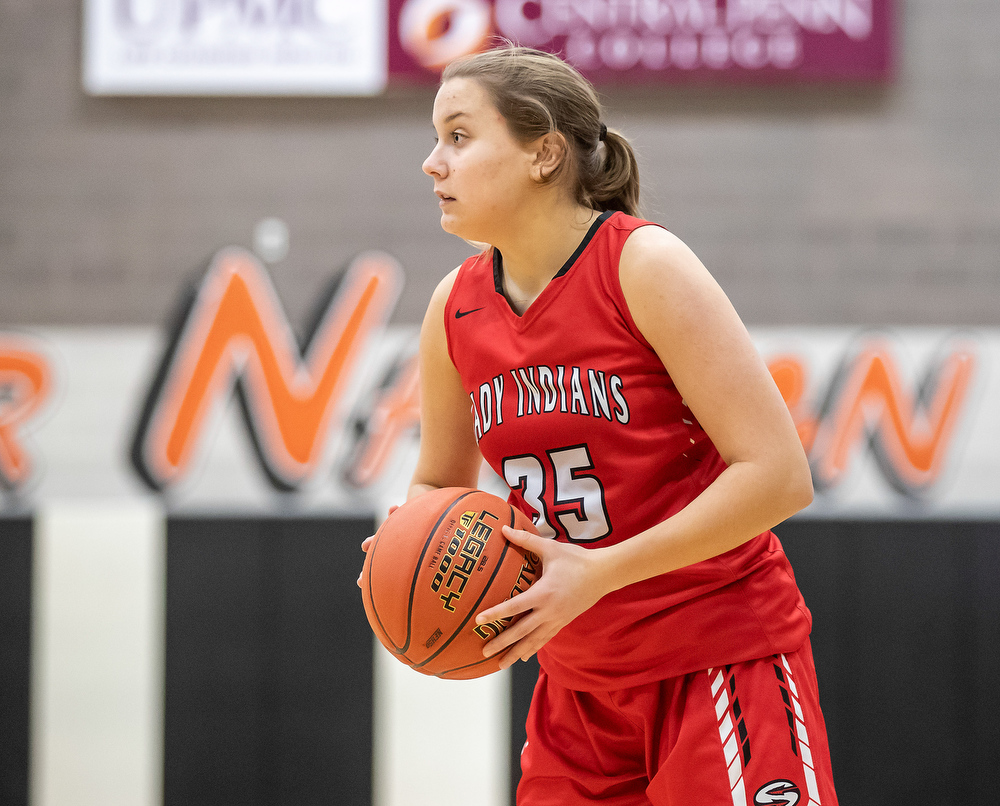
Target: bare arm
x=701 y=341
x=449 y=455
x=704 y=346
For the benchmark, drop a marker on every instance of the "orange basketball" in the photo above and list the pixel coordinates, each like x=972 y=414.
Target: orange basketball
x=435 y=563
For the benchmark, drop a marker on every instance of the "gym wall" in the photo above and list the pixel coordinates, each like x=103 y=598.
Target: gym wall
x=854 y=204
x=187 y=630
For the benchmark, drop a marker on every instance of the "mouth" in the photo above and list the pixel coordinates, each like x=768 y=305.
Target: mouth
x=443 y=198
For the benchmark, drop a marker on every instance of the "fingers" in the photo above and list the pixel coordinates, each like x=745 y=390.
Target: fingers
x=518 y=642
x=520 y=537
x=530 y=541
x=514 y=633
x=511 y=658
x=366 y=544
x=510 y=641
x=514 y=606
x=523 y=602
x=525 y=633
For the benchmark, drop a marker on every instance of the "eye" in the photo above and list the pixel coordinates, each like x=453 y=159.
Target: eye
x=457 y=137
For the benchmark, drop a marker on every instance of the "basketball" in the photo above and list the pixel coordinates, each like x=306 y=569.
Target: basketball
x=435 y=563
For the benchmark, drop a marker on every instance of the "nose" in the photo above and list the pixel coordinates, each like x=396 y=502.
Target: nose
x=434 y=165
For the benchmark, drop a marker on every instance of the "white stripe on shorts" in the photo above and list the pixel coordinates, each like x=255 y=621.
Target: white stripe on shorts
x=803 y=738
x=727 y=734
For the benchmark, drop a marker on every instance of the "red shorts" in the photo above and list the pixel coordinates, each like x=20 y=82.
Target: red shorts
x=742 y=735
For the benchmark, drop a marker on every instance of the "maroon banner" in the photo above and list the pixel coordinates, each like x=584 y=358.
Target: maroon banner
x=655 y=41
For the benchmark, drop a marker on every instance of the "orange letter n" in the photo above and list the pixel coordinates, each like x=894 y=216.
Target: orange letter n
x=236 y=334
x=909 y=432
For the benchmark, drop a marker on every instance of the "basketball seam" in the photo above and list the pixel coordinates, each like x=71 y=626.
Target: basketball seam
x=371 y=593
x=472 y=611
x=409 y=607
x=419 y=566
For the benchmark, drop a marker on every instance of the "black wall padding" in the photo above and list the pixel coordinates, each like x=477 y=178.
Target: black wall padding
x=268 y=663
x=906 y=638
x=15 y=658
x=906 y=633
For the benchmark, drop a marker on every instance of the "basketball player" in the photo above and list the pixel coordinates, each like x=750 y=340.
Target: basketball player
x=593 y=361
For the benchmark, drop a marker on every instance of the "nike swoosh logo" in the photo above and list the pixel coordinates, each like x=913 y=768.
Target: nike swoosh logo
x=460 y=313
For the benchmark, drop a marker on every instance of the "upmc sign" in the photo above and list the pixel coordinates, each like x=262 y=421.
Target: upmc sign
x=332 y=47
x=628 y=41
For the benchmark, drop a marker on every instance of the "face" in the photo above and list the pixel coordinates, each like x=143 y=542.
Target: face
x=482 y=175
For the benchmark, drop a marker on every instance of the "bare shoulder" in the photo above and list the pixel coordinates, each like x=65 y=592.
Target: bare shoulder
x=654 y=254
x=653 y=243
x=665 y=283
x=442 y=291
x=432 y=331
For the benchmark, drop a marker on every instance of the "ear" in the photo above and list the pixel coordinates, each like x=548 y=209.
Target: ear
x=550 y=151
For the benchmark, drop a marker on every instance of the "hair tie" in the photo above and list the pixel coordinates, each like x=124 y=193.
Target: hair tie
x=603 y=133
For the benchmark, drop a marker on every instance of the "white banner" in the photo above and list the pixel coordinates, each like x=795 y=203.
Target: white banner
x=234 y=47
x=897 y=424
x=230 y=410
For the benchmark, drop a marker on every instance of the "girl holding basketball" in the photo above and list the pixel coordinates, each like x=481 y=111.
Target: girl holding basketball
x=616 y=391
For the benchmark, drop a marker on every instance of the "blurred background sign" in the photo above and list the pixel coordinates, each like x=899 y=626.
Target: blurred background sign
x=236 y=415
x=650 y=41
x=332 y=47
x=231 y=47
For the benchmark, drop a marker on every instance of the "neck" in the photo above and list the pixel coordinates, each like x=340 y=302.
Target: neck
x=539 y=249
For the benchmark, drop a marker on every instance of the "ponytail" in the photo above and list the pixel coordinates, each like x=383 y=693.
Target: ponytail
x=614 y=184
x=537 y=93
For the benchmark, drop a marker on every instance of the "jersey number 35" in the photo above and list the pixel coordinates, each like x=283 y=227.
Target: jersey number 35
x=567 y=497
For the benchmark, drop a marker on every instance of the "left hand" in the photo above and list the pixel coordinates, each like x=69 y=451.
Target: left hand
x=367 y=542
x=570 y=583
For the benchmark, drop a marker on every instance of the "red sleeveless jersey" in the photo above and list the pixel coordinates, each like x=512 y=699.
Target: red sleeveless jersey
x=575 y=411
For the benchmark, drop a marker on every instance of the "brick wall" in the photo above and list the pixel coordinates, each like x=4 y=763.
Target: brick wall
x=812 y=205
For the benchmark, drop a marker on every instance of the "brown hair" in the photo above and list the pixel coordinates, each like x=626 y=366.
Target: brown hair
x=537 y=93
